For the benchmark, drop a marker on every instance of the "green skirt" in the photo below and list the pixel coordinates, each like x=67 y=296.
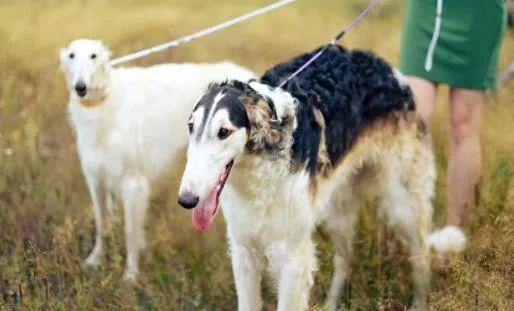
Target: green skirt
x=459 y=46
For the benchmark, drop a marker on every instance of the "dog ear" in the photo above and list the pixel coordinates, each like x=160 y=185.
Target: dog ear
x=105 y=53
x=266 y=134
x=108 y=54
x=63 y=55
x=284 y=103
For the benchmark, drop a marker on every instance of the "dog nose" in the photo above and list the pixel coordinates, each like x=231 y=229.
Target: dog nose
x=81 y=89
x=188 y=200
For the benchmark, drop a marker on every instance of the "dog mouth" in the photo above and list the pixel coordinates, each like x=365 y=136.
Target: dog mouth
x=81 y=93
x=204 y=212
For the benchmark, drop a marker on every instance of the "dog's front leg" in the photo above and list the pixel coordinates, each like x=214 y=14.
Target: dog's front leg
x=135 y=196
x=294 y=267
x=97 y=191
x=246 y=265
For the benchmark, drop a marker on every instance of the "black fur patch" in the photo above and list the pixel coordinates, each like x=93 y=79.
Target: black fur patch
x=236 y=110
x=351 y=89
x=230 y=101
x=207 y=101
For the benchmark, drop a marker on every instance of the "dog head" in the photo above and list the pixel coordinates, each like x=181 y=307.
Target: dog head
x=85 y=64
x=232 y=119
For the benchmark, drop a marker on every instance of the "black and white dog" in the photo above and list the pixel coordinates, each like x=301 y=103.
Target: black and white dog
x=282 y=161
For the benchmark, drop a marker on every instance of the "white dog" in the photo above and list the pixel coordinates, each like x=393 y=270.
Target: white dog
x=129 y=129
x=295 y=157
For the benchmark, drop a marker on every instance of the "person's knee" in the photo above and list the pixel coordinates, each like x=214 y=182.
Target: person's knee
x=465 y=116
x=462 y=128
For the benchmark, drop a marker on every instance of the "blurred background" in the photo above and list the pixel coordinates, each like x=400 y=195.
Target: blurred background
x=46 y=226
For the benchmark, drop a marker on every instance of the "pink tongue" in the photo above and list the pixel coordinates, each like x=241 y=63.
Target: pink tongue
x=204 y=212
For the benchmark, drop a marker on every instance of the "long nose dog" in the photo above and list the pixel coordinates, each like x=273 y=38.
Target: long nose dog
x=128 y=123
x=279 y=161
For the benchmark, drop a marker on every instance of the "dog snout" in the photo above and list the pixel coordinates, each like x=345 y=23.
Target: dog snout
x=188 y=200
x=81 y=88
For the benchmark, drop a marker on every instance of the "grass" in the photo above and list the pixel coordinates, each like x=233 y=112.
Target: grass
x=46 y=226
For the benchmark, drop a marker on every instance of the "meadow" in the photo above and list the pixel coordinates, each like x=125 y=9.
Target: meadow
x=46 y=224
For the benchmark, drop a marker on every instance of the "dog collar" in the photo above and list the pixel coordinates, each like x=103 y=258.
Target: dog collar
x=90 y=103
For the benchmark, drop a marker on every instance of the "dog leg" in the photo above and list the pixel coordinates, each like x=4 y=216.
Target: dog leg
x=293 y=270
x=111 y=208
x=417 y=233
x=97 y=192
x=339 y=224
x=246 y=265
x=408 y=208
x=135 y=197
x=420 y=262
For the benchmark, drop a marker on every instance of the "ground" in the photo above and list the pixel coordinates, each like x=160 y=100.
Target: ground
x=46 y=226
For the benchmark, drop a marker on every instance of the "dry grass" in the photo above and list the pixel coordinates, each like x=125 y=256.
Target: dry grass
x=45 y=224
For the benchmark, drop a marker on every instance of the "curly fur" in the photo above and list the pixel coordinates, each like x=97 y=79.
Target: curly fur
x=351 y=89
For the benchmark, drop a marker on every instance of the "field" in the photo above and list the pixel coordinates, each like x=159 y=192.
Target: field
x=46 y=224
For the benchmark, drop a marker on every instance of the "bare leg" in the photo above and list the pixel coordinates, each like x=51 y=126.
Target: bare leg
x=246 y=266
x=465 y=157
x=424 y=95
x=135 y=195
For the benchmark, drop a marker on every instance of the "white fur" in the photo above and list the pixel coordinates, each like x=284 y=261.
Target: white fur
x=448 y=240
x=285 y=103
x=135 y=130
x=402 y=79
x=269 y=218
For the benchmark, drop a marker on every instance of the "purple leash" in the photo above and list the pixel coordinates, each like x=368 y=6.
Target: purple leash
x=332 y=42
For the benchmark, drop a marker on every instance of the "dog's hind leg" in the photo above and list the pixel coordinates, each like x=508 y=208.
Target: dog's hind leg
x=98 y=196
x=406 y=200
x=112 y=208
x=339 y=223
x=246 y=266
x=135 y=196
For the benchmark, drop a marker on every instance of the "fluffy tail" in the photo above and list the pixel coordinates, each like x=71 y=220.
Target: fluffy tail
x=446 y=241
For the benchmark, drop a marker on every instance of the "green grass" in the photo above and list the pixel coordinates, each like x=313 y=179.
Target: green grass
x=46 y=226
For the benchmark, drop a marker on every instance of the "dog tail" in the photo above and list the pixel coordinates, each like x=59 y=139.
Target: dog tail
x=447 y=240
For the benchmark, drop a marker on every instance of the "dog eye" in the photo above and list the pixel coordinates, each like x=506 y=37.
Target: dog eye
x=71 y=56
x=190 y=126
x=224 y=133
x=93 y=56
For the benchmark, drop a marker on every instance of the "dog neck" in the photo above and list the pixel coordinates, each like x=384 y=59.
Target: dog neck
x=254 y=169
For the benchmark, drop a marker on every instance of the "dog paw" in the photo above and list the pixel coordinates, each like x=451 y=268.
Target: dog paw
x=418 y=306
x=130 y=276
x=92 y=261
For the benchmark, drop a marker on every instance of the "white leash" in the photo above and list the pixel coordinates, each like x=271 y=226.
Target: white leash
x=199 y=34
x=506 y=75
